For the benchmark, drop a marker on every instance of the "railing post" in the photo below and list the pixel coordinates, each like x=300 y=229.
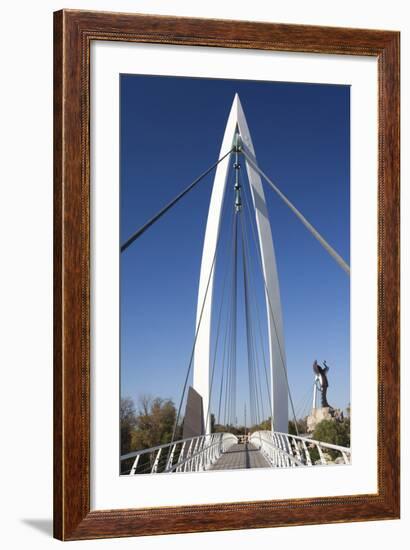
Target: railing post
x=181 y=455
x=197 y=453
x=297 y=450
x=307 y=454
x=288 y=449
x=288 y=445
x=322 y=458
x=202 y=455
x=171 y=458
x=192 y=462
x=135 y=465
x=208 y=454
x=191 y=451
x=215 y=448
x=285 y=458
x=155 y=466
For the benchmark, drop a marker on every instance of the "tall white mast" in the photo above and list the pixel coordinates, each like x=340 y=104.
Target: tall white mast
x=201 y=382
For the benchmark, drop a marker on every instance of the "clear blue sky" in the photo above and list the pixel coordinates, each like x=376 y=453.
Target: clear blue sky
x=171 y=131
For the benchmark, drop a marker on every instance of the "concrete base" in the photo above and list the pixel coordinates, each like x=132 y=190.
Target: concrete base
x=317 y=415
x=194 y=419
x=323 y=413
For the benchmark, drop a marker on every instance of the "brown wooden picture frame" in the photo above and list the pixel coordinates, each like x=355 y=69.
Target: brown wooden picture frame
x=73 y=33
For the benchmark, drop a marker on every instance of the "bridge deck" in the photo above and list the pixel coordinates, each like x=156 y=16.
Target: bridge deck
x=241 y=455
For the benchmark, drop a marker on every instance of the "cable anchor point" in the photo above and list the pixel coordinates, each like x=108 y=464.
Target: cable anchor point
x=237 y=166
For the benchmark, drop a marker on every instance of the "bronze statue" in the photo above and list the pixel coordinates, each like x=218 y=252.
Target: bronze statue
x=323 y=381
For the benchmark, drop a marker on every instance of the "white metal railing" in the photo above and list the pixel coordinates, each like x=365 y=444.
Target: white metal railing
x=194 y=454
x=282 y=450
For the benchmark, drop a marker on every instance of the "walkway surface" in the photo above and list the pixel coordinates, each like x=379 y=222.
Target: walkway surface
x=241 y=455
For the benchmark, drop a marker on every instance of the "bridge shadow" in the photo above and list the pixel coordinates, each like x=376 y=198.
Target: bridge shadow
x=247 y=459
x=229 y=452
x=246 y=449
x=241 y=456
x=249 y=448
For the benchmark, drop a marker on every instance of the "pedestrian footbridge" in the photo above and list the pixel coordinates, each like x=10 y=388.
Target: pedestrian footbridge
x=224 y=451
x=239 y=218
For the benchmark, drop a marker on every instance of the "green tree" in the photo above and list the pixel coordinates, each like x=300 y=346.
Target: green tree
x=264 y=425
x=301 y=425
x=127 y=423
x=229 y=428
x=154 y=423
x=335 y=432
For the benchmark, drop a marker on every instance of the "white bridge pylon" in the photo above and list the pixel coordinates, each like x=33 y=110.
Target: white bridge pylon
x=201 y=376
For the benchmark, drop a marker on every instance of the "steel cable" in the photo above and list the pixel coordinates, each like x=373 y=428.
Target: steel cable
x=159 y=215
x=341 y=262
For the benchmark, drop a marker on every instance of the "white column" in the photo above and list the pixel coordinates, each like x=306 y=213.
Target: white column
x=277 y=357
x=279 y=390
x=202 y=357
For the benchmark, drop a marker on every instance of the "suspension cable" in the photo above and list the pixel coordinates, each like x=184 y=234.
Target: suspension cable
x=196 y=334
x=272 y=316
x=231 y=359
x=258 y=316
x=252 y=347
x=234 y=328
x=253 y=398
x=226 y=356
x=258 y=383
x=157 y=216
x=228 y=323
x=308 y=225
x=248 y=348
x=217 y=339
x=304 y=404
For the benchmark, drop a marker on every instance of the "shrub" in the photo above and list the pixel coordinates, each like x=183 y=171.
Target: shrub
x=334 y=432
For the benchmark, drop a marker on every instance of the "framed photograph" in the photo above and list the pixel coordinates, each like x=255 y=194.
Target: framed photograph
x=226 y=275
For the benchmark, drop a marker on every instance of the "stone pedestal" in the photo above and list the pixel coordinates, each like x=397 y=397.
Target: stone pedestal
x=317 y=415
x=194 y=418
